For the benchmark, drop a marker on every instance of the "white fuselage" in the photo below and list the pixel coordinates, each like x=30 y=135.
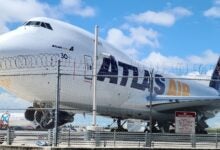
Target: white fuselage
x=29 y=57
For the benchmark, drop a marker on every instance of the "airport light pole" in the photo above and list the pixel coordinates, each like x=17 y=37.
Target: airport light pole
x=94 y=75
x=55 y=137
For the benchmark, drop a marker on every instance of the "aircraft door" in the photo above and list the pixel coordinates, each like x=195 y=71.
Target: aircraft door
x=88 y=67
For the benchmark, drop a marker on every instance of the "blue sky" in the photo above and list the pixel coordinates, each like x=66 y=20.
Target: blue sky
x=156 y=32
x=190 y=33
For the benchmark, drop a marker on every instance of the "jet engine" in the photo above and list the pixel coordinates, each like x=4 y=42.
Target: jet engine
x=45 y=119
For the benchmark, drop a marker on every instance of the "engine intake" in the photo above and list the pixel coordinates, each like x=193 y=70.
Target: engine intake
x=45 y=119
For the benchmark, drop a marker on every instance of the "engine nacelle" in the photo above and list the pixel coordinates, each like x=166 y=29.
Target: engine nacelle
x=65 y=117
x=45 y=119
x=29 y=114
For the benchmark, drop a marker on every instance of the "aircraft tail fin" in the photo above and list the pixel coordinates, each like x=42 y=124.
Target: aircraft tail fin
x=215 y=80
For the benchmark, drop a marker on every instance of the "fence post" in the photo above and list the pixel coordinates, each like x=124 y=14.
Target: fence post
x=104 y=143
x=148 y=139
x=216 y=142
x=193 y=140
x=8 y=136
x=50 y=137
x=57 y=106
x=97 y=138
x=69 y=138
x=114 y=137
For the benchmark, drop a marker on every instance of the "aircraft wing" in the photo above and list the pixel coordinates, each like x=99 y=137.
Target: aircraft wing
x=171 y=103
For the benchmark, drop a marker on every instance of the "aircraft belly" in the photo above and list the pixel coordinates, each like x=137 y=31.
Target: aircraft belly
x=31 y=87
x=73 y=89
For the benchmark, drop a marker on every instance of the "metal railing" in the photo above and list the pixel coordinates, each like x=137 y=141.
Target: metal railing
x=90 y=139
x=136 y=140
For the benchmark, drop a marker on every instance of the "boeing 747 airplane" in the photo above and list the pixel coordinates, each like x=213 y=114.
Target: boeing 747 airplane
x=28 y=69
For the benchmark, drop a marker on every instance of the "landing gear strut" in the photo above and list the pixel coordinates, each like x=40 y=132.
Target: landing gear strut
x=120 y=127
x=201 y=125
x=155 y=127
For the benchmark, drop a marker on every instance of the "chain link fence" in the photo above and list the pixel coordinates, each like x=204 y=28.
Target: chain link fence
x=25 y=69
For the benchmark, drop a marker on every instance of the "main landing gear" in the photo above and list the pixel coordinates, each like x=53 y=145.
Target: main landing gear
x=44 y=118
x=155 y=127
x=119 y=127
x=201 y=125
x=169 y=127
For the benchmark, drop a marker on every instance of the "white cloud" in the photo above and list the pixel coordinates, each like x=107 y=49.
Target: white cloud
x=217 y=2
x=180 y=12
x=203 y=77
x=135 y=38
x=213 y=12
x=3 y=28
x=117 y=38
x=142 y=36
x=200 y=66
x=159 y=18
x=76 y=7
x=163 y=18
x=207 y=57
x=156 y=59
x=21 y=10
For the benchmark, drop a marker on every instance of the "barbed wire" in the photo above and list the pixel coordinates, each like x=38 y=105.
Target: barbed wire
x=46 y=60
x=108 y=76
x=44 y=108
x=29 y=61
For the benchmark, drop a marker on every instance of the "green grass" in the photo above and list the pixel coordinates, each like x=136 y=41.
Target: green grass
x=213 y=130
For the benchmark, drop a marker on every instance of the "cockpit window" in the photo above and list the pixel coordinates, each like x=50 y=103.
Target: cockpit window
x=43 y=25
x=39 y=24
x=48 y=26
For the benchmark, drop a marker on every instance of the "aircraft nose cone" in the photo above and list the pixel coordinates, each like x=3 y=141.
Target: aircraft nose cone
x=10 y=48
x=7 y=43
x=15 y=40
